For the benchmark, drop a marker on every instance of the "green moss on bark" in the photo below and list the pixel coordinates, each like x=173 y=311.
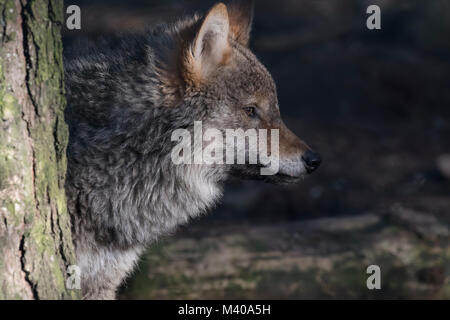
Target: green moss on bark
x=35 y=229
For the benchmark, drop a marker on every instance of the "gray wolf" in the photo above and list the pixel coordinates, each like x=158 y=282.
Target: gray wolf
x=125 y=97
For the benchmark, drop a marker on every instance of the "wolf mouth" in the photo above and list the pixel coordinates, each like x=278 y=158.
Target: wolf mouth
x=288 y=176
x=252 y=173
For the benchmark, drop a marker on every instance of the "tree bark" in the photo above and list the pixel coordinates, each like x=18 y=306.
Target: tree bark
x=35 y=238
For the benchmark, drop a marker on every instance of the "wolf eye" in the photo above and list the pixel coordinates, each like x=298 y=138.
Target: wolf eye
x=250 y=111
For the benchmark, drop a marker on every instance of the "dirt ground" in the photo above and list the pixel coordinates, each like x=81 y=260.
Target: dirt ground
x=376 y=105
x=323 y=258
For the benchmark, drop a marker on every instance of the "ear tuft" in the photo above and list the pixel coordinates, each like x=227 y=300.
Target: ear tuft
x=241 y=16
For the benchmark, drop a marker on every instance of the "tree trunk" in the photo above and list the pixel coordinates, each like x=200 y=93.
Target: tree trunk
x=35 y=239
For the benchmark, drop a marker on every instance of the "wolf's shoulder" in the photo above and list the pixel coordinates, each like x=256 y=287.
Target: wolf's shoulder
x=112 y=50
x=118 y=49
x=113 y=75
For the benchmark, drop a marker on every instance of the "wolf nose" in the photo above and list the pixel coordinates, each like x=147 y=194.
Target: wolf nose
x=311 y=160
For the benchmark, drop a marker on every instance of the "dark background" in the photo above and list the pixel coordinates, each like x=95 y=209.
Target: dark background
x=376 y=105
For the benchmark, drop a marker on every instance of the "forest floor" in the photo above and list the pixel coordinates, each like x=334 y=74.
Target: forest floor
x=323 y=258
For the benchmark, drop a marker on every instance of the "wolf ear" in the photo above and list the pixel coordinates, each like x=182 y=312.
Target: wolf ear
x=241 y=17
x=210 y=47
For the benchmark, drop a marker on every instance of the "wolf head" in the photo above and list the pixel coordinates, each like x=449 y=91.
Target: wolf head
x=217 y=71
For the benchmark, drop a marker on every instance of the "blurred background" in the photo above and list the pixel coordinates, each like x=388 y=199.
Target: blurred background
x=376 y=105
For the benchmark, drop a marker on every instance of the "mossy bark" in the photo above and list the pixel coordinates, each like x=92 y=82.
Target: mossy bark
x=35 y=239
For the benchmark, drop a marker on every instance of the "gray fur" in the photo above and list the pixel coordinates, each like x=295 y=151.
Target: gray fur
x=125 y=97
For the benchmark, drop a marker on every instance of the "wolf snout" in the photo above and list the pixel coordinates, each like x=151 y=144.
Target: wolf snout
x=311 y=160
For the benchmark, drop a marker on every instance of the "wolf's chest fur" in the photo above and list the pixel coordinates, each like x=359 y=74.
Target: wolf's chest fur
x=133 y=204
